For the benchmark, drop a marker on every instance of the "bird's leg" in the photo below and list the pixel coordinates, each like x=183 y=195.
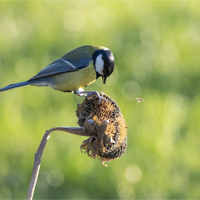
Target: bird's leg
x=89 y=93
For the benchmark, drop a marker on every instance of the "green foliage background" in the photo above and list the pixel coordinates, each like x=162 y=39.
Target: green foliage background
x=156 y=45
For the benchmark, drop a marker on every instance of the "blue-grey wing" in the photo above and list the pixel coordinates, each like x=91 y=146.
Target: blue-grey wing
x=62 y=66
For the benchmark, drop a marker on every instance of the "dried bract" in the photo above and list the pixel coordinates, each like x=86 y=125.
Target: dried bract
x=105 y=126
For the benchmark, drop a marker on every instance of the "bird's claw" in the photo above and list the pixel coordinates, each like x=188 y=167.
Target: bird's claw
x=89 y=94
x=100 y=97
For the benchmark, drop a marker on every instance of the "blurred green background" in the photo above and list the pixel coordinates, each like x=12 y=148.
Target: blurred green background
x=156 y=45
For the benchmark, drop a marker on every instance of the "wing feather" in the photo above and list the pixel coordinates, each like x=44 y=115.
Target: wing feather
x=62 y=65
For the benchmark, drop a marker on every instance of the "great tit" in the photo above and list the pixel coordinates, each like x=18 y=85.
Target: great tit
x=74 y=71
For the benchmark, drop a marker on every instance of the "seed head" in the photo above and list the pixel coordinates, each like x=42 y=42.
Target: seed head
x=105 y=126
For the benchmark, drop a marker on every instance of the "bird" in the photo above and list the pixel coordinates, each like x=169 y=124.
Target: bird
x=74 y=71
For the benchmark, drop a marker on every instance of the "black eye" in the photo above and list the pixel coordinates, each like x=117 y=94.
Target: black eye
x=108 y=67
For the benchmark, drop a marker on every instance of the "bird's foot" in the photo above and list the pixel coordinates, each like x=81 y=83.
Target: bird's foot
x=89 y=94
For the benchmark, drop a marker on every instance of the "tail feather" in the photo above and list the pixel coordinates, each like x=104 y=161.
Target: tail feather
x=16 y=85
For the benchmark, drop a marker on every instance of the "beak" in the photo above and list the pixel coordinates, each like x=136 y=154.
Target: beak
x=104 y=79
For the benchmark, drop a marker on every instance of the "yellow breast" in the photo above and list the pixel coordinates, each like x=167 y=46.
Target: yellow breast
x=71 y=81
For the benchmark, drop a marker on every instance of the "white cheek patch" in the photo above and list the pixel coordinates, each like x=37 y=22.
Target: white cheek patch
x=99 y=64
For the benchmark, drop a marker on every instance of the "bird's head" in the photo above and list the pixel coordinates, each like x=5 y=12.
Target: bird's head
x=103 y=63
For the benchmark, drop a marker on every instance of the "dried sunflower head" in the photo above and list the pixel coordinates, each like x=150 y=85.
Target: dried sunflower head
x=105 y=126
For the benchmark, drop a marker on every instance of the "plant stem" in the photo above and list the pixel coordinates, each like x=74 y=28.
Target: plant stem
x=38 y=155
